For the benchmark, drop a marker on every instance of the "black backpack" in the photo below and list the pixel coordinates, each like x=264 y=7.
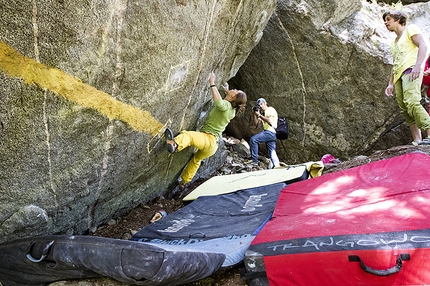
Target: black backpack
x=282 y=129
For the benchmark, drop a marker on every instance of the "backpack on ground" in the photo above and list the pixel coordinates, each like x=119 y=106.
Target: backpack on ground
x=282 y=129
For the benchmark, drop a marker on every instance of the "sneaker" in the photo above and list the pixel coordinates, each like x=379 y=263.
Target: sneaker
x=414 y=143
x=171 y=144
x=249 y=162
x=427 y=139
x=424 y=142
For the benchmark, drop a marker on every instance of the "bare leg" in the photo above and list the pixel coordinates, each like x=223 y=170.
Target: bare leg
x=428 y=133
x=416 y=133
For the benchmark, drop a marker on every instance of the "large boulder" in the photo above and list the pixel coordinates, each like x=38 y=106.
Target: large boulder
x=87 y=89
x=325 y=66
x=404 y=2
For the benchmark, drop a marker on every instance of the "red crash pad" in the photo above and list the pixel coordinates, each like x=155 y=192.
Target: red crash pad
x=369 y=225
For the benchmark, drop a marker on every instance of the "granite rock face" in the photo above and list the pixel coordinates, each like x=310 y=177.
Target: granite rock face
x=87 y=89
x=325 y=66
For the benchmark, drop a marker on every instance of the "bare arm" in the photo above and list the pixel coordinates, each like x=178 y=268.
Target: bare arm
x=256 y=116
x=422 y=52
x=215 y=92
x=390 y=88
x=268 y=119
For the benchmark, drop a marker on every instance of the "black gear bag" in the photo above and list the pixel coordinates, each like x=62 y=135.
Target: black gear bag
x=282 y=130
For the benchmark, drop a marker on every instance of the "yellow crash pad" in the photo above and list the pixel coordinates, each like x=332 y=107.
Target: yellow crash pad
x=230 y=183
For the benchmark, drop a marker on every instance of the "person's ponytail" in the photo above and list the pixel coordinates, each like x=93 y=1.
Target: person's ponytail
x=239 y=103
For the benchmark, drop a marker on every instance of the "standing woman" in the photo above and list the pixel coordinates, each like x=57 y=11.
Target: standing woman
x=206 y=141
x=409 y=52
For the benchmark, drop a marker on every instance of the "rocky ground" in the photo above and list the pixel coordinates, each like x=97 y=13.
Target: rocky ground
x=124 y=227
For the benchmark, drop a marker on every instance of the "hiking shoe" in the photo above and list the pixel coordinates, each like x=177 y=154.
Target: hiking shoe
x=414 y=143
x=250 y=162
x=171 y=144
x=168 y=134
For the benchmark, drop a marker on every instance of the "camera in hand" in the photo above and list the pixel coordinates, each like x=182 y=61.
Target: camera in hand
x=257 y=108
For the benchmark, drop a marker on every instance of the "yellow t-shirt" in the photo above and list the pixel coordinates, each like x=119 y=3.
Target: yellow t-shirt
x=271 y=112
x=404 y=52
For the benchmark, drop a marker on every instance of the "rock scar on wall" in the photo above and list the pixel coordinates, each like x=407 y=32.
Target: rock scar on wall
x=45 y=96
x=117 y=12
x=299 y=69
x=174 y=81
x=178 y=73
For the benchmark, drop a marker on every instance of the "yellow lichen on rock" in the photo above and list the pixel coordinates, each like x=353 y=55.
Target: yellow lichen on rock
x=57 y=81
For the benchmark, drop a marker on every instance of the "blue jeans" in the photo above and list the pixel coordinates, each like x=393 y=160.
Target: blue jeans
x=269 y=138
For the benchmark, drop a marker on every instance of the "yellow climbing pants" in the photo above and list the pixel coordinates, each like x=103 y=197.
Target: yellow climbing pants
x=206 y=145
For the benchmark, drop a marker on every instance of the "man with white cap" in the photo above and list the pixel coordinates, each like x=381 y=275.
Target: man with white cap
x=269 y=117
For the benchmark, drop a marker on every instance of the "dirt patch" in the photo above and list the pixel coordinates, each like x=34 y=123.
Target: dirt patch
x=124 y=227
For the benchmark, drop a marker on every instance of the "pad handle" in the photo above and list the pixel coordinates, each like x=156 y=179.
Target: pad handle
x=44 y=253
x=383 y=272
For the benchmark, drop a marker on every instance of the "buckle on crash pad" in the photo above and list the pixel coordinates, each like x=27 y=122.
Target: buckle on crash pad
x=44 y=253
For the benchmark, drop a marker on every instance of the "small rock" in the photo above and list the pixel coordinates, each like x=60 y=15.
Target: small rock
x=127 y=236
x=133 y=231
